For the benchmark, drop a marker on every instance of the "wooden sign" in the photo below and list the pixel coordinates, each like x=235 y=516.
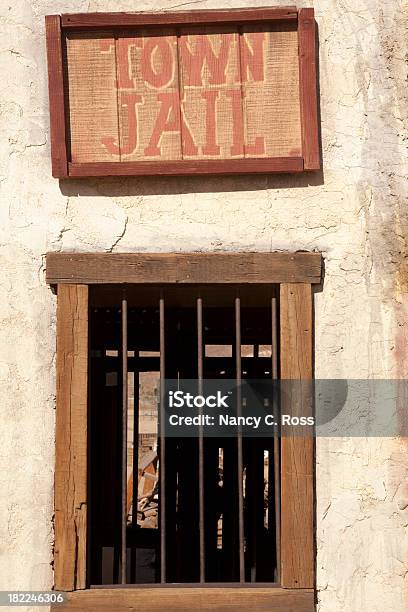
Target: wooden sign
x=201 y=92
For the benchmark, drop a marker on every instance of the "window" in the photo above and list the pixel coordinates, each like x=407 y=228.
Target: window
x=132 y=507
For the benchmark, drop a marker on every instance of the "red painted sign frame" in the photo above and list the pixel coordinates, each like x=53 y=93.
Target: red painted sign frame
x=57 y=29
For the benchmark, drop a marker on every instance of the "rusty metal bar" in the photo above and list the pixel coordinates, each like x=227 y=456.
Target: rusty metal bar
x=276 y=444
x=254 y=502
x=135 y=466
x=162 y=491
x=136 y=412
x=123 y=548
x=135 y=442
x=239 y=440
x=200 y=372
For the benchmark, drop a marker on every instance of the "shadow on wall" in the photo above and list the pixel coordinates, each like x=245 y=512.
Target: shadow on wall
x=173 y=185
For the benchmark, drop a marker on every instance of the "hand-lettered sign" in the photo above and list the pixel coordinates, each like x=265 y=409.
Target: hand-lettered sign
x=226 y=95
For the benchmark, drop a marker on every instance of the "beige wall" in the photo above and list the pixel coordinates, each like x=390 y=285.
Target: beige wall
x=354 y=213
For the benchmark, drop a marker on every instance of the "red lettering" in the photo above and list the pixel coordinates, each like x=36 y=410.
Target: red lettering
x=168 y=120
x=193 y=61
x=252 y=57
x=164 y=76
x=187 y=142
x=258 y=148
x=123 y=64
x=210 y=147
x=106 y=45
x=123 y=47
x=128 y=100
x=147 y=67
x=157 y=68
x=237 y=147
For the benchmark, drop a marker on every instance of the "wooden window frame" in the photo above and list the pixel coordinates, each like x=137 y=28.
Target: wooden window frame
x=58 y=25
x=72 y=273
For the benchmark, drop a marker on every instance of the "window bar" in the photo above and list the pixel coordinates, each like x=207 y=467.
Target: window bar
x=239 y=440
x=200 y=438
x=123 y=548
x=253 y=490
x=162 y=450
x=135 y=467
x=276 y=445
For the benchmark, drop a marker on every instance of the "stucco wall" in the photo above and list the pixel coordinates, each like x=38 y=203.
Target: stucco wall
x=354 y=212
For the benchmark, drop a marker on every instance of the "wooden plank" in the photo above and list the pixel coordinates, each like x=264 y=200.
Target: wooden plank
x=56 y=96
x=188 y=167
x=97 y=268
x=149 y=100
x=147 y=599
x=71 y=438
x=170 y=18
x=210 y=85
x=297 y=452
x=308 y=89
x=93 y=99
x=270 y=86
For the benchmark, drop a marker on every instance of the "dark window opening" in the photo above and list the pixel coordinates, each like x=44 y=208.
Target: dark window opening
x=167 y=539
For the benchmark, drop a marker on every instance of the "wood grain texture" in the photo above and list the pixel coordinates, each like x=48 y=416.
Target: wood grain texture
x=210 y=90
x=148 y=96
x=71 y=438
x=297 y=452
x=270 y=87
x=93 y=99
x=133 y=108
x=170 y=18
x=147 y=599
x=161 y=268
x=56 y=96
x=184 y=167
x=308 y=89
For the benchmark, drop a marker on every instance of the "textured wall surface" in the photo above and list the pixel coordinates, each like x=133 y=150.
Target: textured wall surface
x=355 y=212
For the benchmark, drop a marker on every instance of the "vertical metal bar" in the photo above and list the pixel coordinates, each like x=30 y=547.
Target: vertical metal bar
x=200 y=371
x=162 y=449
x=239 y=440
x=254 y=503
x=123 y=548
x=135 y=439
x=135 y=467
x=276 y=445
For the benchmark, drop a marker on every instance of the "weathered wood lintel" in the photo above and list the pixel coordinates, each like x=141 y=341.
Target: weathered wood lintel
x=181 y=598
x=186 y=268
